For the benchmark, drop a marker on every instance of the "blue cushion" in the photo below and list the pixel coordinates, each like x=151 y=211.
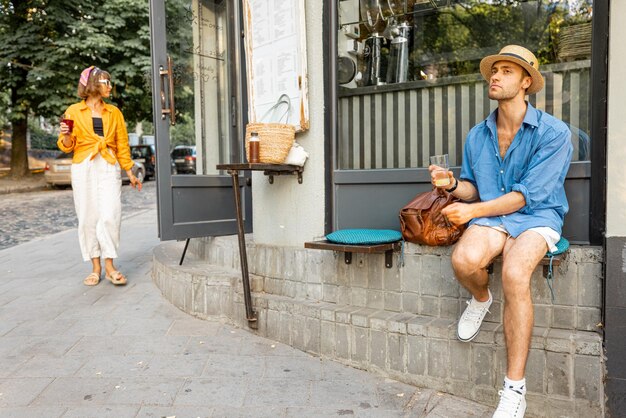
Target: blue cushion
x=364 y=236
x=561 y=247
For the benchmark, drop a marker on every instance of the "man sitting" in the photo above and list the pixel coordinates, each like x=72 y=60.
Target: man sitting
x=512 y=185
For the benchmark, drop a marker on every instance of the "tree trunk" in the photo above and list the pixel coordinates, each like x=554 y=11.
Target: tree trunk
x=19 y=152
x=19 y=124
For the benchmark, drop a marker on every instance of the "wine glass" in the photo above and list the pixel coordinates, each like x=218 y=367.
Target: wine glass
x=65 y=118
x=372 y=15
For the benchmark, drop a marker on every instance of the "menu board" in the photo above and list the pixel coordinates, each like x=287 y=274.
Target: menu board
x=275 y=39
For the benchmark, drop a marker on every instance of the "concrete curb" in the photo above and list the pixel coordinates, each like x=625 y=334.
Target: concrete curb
x=35 y=183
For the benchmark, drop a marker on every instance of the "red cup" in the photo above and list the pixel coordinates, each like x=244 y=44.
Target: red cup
x=69 y=123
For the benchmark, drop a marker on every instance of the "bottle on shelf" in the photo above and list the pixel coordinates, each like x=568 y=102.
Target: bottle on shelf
x=254 y=148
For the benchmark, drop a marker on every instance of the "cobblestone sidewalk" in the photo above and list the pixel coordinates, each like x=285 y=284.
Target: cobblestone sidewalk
x=27 y=216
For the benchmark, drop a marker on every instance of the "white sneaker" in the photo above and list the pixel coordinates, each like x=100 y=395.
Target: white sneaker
x=472 y=318
x=512 y=404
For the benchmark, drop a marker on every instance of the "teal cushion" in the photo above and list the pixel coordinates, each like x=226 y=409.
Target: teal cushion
x=364 y=236
x=561 y=247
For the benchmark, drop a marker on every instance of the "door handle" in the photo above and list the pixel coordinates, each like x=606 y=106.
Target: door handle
x=171 y=111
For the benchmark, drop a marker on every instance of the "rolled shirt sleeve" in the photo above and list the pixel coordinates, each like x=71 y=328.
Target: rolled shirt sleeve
x=555 y=152
x=62 y=147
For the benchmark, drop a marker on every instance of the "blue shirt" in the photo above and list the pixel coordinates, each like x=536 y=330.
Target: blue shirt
x=535 y=165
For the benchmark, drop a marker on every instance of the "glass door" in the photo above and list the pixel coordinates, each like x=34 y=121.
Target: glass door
x=197 y=91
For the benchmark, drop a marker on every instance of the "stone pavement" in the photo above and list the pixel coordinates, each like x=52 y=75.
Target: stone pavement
x=28 y=216
x=67 y=350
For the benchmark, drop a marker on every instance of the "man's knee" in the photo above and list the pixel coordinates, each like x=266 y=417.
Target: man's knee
x=515 y=280
x=466 y=260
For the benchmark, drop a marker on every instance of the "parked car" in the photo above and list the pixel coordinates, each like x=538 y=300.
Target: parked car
x=58 y=171
x=145 y=154
x=184 y=157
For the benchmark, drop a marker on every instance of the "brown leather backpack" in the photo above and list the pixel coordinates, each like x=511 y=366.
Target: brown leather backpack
x=421 y=221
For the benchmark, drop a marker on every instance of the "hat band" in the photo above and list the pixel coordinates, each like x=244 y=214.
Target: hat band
x=518 y=57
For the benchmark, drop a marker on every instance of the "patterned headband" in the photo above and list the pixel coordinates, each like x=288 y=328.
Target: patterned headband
x=84 y=76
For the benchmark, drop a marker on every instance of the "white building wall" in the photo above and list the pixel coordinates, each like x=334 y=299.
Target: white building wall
x=616 y=135
x=287 y=213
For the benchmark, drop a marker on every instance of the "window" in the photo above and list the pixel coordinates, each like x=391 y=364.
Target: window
x=409 y=84
x=198 y=44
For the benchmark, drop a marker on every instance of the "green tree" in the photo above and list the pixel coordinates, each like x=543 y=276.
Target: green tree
x=40 y=138
x=46 y=43
x=452 y=40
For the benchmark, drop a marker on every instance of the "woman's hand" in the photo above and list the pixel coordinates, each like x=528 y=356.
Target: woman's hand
x=134 y=181
x=65 y=130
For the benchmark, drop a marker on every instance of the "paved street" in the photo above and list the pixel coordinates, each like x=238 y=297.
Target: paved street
x=67 y=350
x=26 y=216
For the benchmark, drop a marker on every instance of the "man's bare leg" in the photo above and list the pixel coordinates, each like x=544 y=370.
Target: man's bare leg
x=521 y=256
x=471 y=256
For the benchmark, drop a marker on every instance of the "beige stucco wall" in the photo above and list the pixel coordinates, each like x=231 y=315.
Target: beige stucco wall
x=616 y=138
x=287 y=213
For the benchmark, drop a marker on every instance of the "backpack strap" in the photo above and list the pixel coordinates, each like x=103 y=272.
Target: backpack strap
x=561 y=246
x=550 y=278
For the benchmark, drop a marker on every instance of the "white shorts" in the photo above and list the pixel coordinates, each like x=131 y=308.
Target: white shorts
x=549 y=234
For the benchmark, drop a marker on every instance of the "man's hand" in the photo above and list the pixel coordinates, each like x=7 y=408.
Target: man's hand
x=458 y=213
x=435 y=172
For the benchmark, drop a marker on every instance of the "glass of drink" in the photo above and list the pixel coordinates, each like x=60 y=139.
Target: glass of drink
x=441 y=172
x=69 y=122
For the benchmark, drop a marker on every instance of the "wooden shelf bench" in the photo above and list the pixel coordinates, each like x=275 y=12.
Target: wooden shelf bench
x=389 y=248
x=348 y=249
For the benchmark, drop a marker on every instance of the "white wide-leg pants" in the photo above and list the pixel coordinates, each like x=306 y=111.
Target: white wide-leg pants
x=97 y=187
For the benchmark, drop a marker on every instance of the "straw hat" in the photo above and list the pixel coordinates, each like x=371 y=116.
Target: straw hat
x=519 y=55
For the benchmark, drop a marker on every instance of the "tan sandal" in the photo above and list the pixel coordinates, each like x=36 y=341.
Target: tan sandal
x=92 y=280
x=116 y=278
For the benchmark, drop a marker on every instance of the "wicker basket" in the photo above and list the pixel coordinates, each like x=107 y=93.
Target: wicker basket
x=275 y=141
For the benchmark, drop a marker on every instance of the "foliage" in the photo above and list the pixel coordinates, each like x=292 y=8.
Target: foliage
x=183 y=133
x=127 y=58
x=4 y=106
x=41 y=138
x=179 y=47
x=48 y=42
x=453 y=40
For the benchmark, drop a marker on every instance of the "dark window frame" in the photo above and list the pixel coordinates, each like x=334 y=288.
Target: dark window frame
x=599 y=75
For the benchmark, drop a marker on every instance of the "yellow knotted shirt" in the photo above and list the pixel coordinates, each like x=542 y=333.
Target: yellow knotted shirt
x=113 y=146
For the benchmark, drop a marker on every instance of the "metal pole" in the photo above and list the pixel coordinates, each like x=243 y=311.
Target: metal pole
x=250 y=314
x=184 y=252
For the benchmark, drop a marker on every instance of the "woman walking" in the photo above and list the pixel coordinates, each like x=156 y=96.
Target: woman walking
x=96 y=132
